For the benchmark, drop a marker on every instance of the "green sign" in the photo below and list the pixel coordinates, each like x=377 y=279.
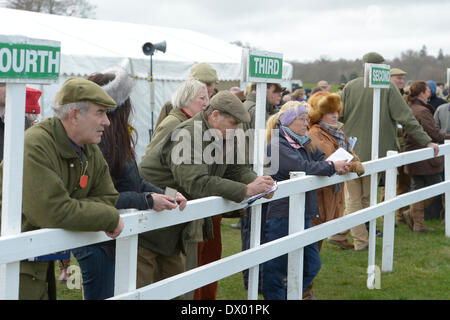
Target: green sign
x=379 y=75
x=264 y=66
x=29 y=61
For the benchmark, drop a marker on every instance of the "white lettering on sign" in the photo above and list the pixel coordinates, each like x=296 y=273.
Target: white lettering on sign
x=266 y=65
x=28 y=59
x=381 y=75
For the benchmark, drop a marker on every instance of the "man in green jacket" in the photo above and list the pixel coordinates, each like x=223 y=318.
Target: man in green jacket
x=357 y=117
x=197 y=169
x=66 y=181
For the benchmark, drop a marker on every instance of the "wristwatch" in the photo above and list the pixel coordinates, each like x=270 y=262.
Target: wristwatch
x=146 y=196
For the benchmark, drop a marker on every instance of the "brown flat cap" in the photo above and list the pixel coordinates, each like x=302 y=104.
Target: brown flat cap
x=78 y=89
x=227 y=102
x=397 y=72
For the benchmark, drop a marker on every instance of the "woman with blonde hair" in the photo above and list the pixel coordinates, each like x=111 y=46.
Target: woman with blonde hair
x=286 y=134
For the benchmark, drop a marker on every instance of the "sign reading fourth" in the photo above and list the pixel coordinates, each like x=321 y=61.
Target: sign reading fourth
x=29 y=60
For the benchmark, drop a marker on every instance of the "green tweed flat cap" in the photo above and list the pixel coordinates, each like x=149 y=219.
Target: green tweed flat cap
x=204 y=72
x=397 y=72
x=78 y=89
x=373 y=57
x=227 y=102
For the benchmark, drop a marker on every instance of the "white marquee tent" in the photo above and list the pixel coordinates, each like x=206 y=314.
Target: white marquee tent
x=90 y=45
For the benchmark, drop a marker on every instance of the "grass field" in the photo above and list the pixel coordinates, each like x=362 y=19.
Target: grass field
x=421 y=269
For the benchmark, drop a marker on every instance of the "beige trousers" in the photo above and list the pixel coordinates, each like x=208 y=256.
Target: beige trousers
x=357 y=197
x=153 y=267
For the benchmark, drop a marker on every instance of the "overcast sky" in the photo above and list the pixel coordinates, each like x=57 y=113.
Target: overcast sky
x=301 y=30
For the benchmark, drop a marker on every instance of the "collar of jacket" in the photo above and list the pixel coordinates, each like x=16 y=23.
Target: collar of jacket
x=63 y=144
x=177 y=113
x=423 y=104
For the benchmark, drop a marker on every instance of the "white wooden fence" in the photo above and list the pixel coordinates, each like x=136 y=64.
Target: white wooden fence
x=14 y=248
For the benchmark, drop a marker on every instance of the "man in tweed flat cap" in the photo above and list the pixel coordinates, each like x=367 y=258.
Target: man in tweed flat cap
x=66 y=181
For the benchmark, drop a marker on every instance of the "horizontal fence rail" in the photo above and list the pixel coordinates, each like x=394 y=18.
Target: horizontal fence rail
x=190 y=280
x=35 y=243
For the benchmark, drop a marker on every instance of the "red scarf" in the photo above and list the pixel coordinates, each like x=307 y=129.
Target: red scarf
x=187 y=114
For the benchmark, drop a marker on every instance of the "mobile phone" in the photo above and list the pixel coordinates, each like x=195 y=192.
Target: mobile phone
x=171 y=193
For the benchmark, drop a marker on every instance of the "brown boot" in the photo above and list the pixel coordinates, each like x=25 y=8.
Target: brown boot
x=399 y=214
x=407 y=218
x=417 y=215
x=308 y=293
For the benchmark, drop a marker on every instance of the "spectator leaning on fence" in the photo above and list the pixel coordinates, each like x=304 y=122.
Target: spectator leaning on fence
x=97 y=261
x=357 y=118
x=189 y=98
x=296 y=153
x=197 y=178
x=66 y=181
x=327 y=133
x=427 y=172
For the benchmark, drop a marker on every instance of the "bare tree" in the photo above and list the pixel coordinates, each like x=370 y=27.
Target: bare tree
x=76 y=8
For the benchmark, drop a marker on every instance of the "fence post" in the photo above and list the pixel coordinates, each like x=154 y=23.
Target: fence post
x=295 y=258
x=389 y=219
x=447 y=194
x=126 y=264
x=11 y=215
x=258 y=158
x=374 y=187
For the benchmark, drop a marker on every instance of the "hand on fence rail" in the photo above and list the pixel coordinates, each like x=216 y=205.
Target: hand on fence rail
x=435 y=147
x=164 y=202
x=259 y=185
x=117 y=231
x=341 y=166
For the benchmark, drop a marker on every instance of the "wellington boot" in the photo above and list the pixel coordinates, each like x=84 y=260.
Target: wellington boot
x=417 y=215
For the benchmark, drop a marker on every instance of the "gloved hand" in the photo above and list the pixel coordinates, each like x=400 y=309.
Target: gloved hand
x=356 y=165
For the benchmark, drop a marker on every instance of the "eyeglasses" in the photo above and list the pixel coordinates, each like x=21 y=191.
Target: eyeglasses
x=304 y=119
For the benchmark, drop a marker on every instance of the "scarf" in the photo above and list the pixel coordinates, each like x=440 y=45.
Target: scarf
x=301 y=140
x=336 y=132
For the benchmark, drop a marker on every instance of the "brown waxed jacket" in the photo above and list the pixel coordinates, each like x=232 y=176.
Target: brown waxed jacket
x=424 y=116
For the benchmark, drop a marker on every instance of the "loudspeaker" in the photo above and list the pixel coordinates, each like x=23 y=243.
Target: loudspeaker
x=149 y=48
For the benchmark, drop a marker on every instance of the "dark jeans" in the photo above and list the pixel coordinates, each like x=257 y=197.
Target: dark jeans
x=419 y=182
x=274 y=284
x=97 y=270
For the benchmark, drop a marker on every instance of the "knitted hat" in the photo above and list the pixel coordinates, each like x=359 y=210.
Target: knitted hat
x=294 y=109
x=121 y=86
x=323 y=102
x=32 y=101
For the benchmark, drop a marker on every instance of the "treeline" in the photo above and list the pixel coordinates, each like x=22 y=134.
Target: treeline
x=418 y=64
